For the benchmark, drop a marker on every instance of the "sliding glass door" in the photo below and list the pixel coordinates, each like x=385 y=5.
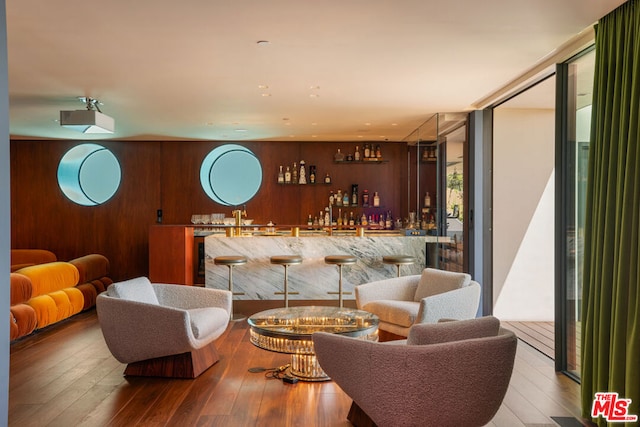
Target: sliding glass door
x=574 y=96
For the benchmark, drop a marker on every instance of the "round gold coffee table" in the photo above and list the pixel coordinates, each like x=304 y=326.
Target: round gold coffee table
x=288 y=330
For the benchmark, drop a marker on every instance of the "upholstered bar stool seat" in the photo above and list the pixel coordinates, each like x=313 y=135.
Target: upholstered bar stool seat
x=286 y=261
x=399 y=260
x=231 y=261
x=340 y=260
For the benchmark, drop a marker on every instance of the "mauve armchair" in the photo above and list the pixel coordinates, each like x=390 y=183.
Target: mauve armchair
x=163 y=330
x=452 y=373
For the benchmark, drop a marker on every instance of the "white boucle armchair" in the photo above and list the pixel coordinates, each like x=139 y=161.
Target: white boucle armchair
x=422 y=298
x=161 y=329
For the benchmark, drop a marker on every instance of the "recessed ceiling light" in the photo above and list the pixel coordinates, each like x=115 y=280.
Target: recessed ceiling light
x=266 y=94
x=263 y=86
x=394 y=124
x=313 y=95
x=314 y=87
x=367 y=124
x=314 y=124
x=359 y=136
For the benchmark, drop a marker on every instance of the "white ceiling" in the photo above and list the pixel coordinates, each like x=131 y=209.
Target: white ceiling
x=336 y=70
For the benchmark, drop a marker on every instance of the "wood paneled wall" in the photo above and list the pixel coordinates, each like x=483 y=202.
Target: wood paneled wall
x=165 y=175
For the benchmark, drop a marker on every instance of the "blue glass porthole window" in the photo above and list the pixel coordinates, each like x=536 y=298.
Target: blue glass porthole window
x=89 y=174
x=231 y=175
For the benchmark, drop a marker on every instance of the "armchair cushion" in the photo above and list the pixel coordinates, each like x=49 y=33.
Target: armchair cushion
x=206 y=321
x=138 y=289
x=453 y=330
x=402 y=313
x=433 y=282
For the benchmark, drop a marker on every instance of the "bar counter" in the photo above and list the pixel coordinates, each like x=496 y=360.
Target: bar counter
x=259 y=279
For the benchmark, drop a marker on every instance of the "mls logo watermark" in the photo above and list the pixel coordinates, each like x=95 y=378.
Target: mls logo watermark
x=612 y=408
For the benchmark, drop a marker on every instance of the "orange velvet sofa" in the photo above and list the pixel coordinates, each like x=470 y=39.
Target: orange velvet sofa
x=45 y=291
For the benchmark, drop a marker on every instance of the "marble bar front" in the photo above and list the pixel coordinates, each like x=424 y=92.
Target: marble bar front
x=259 y=279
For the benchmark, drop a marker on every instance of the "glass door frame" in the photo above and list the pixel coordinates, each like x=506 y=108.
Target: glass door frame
x=565 y=218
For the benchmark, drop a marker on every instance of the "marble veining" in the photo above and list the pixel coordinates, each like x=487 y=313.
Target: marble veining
x=259 y=279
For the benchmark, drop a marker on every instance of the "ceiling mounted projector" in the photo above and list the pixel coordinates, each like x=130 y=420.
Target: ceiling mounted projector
x=91 y=120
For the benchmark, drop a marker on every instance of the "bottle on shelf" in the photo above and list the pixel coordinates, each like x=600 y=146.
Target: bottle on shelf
x=365 y=199
x=339 y=156
x=309 y=222
x=427 y=200
x=294 y=174
x=280 y=176
x=367 y=151
x=321 y=220
x=339 y=219
x=312 y=174
x=388 y=222
x=328 y=221
x=345 y=199
x=287 y=176
x=378 y=152
x=381 y=221
x=316 y=224
x=354 y=194
x=356 y=156
x=363 y=220
x=352 y=221
x=302 y=177
x=332 y=198
x=338 y=198
x=376 y=200
x=327 y=179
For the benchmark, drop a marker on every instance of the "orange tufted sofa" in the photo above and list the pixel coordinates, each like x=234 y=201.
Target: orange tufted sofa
x=45 y=291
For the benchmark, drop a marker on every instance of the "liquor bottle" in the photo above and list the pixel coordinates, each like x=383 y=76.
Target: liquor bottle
x=316 y=224
x=312 y=174
x=352 y=221
x=280 y=176
x=321 y=220
x=327 y=179
x=338 y=199
x=365 y=199
x=294 y=174
x=388 y=223
x=381 y=221
x=354 y=195
x=327 y=219
x=378 y=152
x=331 y=198
x=309 y=222
x=363 y=220
x=302 y=177
x=287 y=176
x=345 y=199
x=376 y=200
x=367 y=151
x=427 y=200
x=356 y=155
x=339 y=156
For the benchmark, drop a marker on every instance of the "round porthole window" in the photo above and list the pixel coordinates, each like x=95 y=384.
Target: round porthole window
x=231 y=175
x=89 y=174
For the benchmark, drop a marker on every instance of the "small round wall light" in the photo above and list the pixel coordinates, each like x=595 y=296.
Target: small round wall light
x=89 y=174
x=231 y=175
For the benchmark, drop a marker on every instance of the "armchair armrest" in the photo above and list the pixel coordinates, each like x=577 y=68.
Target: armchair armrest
x=460 y=303
x=398 y=288
x=188 y=297
x=159 y=330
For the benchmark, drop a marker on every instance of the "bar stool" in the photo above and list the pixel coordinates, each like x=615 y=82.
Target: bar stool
x=399 y=260
x=231 y=261
x=286 y=261
x=340 y=260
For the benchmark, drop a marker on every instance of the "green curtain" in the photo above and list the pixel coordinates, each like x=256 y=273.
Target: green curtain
x=610 y=305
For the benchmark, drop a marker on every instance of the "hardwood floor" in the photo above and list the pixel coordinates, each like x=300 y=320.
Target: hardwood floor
x=65 y=376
